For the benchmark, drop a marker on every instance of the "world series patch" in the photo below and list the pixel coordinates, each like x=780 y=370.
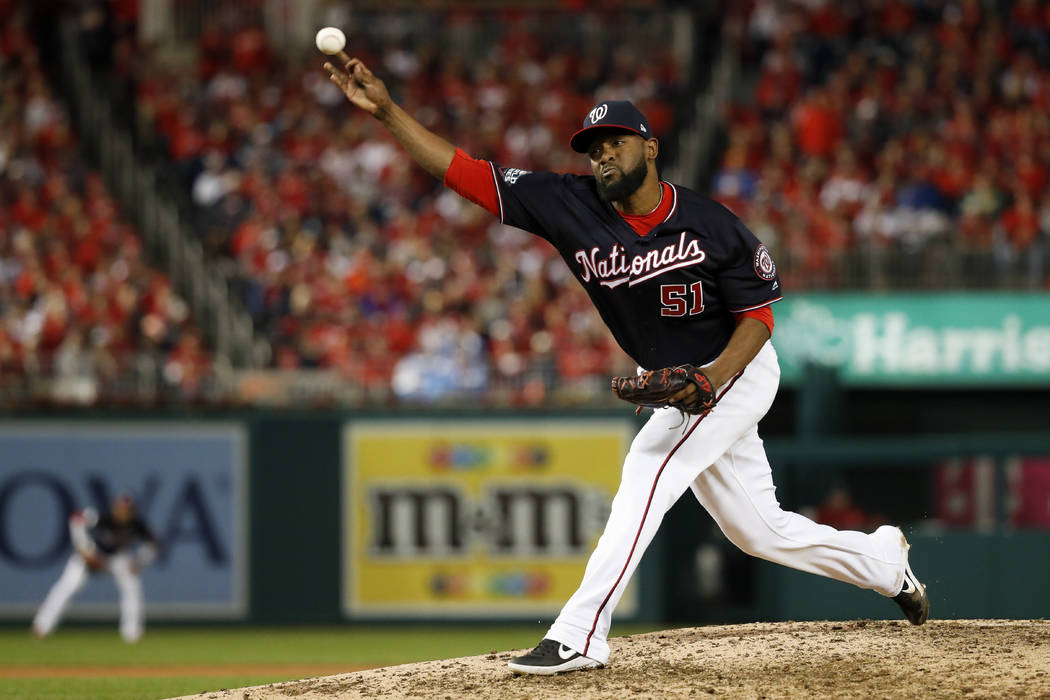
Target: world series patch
x=511 y=175
x=764 y=265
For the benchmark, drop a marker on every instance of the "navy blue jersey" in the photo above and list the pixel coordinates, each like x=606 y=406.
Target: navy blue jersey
x=112 y=537
x=668 y=297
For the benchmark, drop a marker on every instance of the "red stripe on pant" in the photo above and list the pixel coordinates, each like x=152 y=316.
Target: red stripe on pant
x=645 y=514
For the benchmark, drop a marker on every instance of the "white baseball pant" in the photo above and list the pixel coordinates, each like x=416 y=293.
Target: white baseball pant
x=721 y=458
x=72 y=580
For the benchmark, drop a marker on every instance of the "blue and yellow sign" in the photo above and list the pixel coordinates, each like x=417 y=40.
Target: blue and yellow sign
x=469 y=518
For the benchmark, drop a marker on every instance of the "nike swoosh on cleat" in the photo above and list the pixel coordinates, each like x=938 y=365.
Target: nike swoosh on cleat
x=561 y=652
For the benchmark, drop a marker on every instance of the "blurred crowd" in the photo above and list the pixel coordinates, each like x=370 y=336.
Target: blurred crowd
x=871 y=144
x=81 y=312
x=350 y=257
x=915 y=135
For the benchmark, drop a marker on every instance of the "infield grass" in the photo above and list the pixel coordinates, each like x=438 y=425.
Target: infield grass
x=93 y=662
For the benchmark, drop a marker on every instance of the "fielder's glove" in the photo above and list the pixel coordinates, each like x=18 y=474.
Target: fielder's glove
x=655 y=388
x=94 y=562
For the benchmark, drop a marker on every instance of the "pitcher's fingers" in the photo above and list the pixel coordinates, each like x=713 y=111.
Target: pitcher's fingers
x=339 y=78
x=684 y=393
x=343 y=57
x=358 y=70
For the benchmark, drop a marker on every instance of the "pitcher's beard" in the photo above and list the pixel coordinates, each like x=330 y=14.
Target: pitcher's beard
x=624 y=187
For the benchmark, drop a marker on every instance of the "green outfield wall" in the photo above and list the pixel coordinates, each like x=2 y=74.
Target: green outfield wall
x=968 y=575
x=328 y=516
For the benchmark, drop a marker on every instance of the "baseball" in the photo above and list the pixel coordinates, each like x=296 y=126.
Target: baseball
x=330 y=40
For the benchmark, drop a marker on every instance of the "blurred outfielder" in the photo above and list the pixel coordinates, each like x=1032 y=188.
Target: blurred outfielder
x=118 y=542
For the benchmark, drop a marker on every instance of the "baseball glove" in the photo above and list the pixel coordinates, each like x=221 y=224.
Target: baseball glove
x=655 y=388
x=94 y=562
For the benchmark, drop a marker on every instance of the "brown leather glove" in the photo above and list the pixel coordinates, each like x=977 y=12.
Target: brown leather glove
x=655 y=389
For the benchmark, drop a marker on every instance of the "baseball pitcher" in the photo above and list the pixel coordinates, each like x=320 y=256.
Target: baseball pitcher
x=686 y=290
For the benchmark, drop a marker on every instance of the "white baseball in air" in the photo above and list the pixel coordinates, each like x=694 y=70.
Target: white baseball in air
x=330 y=40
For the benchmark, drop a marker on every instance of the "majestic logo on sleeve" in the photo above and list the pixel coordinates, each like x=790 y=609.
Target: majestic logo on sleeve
x=764 y=265
x=616 y=268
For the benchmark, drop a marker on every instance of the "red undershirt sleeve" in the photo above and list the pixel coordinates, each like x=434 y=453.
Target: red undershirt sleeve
x=765 y=315
x=473 y=179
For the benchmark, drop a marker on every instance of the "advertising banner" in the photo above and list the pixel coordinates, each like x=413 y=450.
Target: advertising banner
x=190 y=483
x=472 y=518
x=917 y=339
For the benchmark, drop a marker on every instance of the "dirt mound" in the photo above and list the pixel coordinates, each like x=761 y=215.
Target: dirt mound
x=858 y=659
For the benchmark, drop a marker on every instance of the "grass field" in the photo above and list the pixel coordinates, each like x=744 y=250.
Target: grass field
x=93 y=662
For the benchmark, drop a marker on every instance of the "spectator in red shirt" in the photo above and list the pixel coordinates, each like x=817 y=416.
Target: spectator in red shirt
x=818 y=127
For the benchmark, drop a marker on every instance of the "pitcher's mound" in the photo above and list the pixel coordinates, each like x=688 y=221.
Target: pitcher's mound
x=859 y=659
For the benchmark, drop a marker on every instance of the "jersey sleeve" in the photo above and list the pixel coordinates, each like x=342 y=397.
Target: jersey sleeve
x=79 y=523
x=520 y=198
x=749 y=279
x=149 y=547
x=474 y=180
x=143 y=531
x=763 y=314
x=530 y=200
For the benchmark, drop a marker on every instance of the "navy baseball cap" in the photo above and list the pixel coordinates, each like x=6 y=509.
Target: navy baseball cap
x=614 y=114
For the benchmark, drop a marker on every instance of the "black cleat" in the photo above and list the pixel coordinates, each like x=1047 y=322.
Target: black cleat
x=550 y=657
x=912 y=598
